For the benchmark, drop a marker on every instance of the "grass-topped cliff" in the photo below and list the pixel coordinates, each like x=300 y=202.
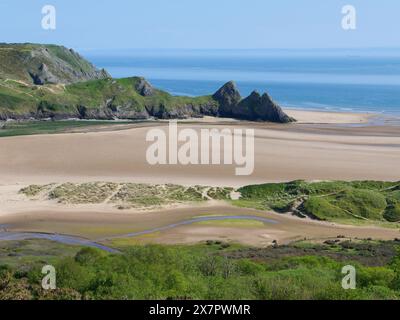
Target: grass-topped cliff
x=96 y=99
x=48 y=81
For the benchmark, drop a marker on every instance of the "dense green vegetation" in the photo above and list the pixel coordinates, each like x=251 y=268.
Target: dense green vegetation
x=77 y=82
x=328 y=200
x=43 y=81
x=213 y=270
x=96 y=99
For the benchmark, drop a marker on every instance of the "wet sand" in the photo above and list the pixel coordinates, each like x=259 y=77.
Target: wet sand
x=316 y=151
x=100 y=226
x=282 y=153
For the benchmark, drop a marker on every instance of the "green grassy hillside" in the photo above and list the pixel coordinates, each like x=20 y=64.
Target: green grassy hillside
x=96 y=99
x=34 y=63
x=48 y=81
x=328 y=200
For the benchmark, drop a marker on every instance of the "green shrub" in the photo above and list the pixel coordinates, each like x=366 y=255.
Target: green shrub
x=321 y=208
x=366 y=203
x=374 y=276
x=88 y=256
x=392 y=212
x=248 y=267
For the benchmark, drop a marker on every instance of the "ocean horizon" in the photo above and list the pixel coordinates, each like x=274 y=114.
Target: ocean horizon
x=346 y=80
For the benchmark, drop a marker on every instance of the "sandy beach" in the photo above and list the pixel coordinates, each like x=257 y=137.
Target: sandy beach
x=282 y=153
x=304 y=116
x=315 y=148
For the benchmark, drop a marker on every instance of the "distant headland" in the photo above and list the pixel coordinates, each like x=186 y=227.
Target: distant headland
x=40 y=81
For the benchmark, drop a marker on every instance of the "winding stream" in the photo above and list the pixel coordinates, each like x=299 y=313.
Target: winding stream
x=75 y=240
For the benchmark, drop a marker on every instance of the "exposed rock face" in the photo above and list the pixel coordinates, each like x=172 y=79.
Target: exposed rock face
x=228 y=97
x=144 y=88
x=255 y=107
x=41 y=64
x=43 y=75
x=111 y=113
x=33 y=65
x=260 y=107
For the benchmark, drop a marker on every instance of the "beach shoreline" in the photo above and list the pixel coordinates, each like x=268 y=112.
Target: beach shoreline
x=283 y=152
x=330 y=117
x=320 y=146
x=102 y=225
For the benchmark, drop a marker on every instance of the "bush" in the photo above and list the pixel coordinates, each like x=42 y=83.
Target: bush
x=321 y=208
x=366 y=203
x=374 y=276
x=202 y=272
x=248 y=267
x=392 y=212
x=72 y=275
x=89 y=256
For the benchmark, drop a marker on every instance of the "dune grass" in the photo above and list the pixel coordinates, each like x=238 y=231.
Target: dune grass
x=327 y=200
x=126 y=195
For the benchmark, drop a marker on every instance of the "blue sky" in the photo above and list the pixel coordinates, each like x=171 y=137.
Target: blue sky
x=204 y=24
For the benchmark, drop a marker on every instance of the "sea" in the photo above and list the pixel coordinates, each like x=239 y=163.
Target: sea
x=345 y=80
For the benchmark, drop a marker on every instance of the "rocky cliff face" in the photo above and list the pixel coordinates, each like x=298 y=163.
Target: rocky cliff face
x=255 y=107
x=144 y=88
x=45 y=64
x=30 y=75
x=228 y=97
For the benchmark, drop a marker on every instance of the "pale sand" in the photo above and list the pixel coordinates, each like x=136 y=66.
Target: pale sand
x=282 y=153
x=303 y=116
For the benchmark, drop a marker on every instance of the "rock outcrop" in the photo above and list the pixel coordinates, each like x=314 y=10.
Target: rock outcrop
x=228 y=97
x=260 y=108
x=255 y=107
x=45 y=64
x=144 y=88
x=31 y=74
x=43 y=75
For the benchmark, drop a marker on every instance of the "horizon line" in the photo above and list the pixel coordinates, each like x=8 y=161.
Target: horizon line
x=246 y=49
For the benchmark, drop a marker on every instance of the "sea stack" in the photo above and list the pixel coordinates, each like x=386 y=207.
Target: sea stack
x=255 y=107
x=228 y=97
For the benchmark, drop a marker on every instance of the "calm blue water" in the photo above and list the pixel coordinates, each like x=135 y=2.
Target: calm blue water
x=356 y=81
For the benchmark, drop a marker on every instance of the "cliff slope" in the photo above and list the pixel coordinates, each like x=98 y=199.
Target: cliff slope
x=49 y=81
